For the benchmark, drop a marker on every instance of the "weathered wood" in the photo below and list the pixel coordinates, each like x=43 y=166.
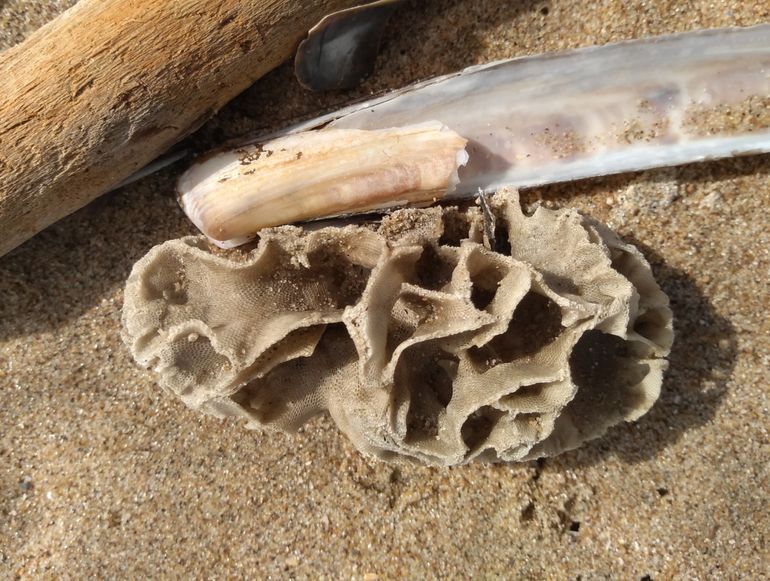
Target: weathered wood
x=110 y=84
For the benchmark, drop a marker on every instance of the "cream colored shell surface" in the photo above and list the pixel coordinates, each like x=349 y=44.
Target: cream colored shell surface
x=424 y=340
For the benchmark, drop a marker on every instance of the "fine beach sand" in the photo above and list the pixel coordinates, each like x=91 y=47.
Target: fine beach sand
x=103 y=475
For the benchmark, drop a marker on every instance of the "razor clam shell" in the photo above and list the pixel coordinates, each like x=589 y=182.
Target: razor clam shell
x=589 y=112
x=231 y=195
x=594 y=111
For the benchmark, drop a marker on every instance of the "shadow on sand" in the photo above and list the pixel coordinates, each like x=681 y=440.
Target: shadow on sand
x=69 y=268
x=700 y=364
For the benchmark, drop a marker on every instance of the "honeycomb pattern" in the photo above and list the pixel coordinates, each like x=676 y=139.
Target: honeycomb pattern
x=429 y=337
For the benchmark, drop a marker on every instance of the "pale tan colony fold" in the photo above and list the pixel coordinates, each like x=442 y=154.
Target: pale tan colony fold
x=423 y=339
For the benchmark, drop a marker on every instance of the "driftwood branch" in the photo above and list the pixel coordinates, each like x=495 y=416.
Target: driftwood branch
x=111 y=84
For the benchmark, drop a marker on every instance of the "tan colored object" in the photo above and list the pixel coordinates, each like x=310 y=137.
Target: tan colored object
x=421 y=343
x=109 y=85
x=305 y=176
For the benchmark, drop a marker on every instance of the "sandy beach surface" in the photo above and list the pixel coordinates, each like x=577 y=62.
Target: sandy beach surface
x=103 y=475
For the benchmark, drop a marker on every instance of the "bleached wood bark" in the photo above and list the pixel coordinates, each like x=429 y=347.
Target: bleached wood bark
x=110 y=84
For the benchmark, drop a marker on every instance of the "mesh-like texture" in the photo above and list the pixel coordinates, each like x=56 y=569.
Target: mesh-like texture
x=421 y=342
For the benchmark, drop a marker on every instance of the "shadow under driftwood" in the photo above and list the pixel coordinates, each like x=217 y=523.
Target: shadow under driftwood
x=70 y=267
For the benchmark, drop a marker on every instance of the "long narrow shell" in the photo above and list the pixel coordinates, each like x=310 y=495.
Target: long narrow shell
x=551 y=118
x=595 y=111
x=322 y=173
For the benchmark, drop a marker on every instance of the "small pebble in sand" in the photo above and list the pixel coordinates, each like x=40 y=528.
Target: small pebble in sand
x=292 y=561
x=712 y=201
